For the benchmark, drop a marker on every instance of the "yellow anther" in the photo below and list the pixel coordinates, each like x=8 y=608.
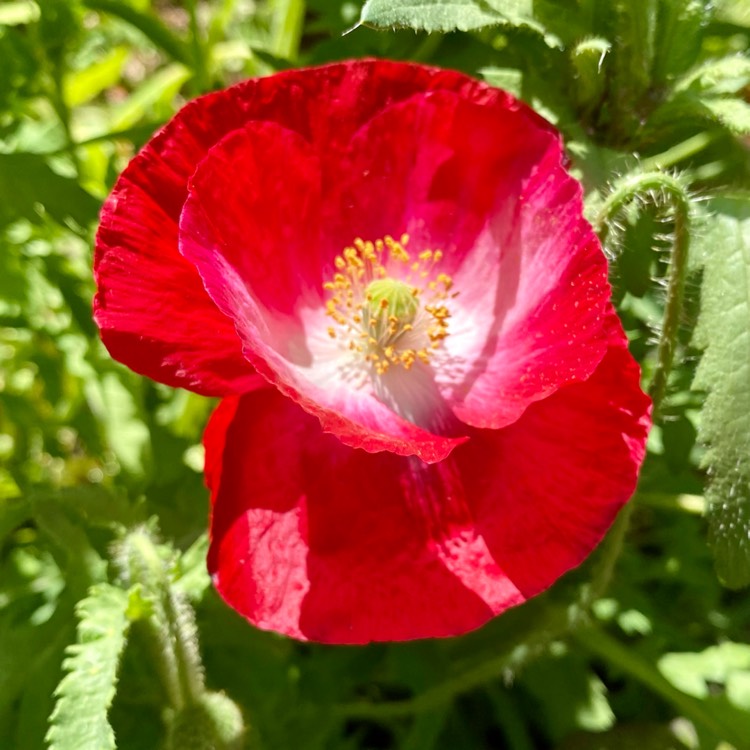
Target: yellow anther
x=445 y=280
x=378 y=294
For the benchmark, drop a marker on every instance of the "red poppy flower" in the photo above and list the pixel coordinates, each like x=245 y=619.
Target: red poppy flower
x=399 y=250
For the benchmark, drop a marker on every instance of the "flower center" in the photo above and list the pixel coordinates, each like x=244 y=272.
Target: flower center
x=387 y=306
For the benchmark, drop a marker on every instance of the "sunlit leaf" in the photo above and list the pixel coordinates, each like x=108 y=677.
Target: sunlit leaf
x=732 y=113
x=449 y=15
x=117 y=409
x=79 y=721
x=17 y=13
x=694 y=673
x=160 y=88
x=724 y=373
x=81 y=86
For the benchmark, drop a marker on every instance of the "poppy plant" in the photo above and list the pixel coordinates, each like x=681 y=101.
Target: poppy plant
x=429 y=410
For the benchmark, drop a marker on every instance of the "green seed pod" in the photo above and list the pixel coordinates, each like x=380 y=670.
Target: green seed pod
x=392 y=297
x=214 y=722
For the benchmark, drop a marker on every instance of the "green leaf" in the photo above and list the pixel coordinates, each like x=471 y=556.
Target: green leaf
x=727 y=75
x=724 y=372
x=429 y=15
x=18 y=13
x=734 y=114
x=678 y=37
x=27 y=182
x=588 y=58
x=81 y=86
x=448 y=15
x=693 y=673
x=118 y=411
x=160 y=88
x=79 y=721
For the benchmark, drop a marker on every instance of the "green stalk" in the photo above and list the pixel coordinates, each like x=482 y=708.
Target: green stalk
x=631 y=189
x=202 y=82
x=144 y=566
x=286 y=28
x=170 y=626
x=678 y=153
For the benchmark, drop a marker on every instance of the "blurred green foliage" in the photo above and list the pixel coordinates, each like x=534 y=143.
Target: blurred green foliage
x=653 y=654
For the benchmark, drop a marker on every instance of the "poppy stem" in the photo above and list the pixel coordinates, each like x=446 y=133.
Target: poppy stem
x=678 y=264
x=659 y=187
x=170 y=624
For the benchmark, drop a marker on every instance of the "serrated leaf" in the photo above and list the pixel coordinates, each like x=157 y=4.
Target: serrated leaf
x=732 y=113
x=79 y=721
x=727 y=75
x=724 y=373
x=429 y=15
x=450 y=15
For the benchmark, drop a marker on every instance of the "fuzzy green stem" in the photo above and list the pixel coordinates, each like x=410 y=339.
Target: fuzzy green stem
x=678 y=264
x=171 y=626
x=146 y=567
x=185 y=637
x=628 y=190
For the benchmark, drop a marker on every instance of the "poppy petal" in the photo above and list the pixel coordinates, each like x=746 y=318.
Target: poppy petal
x=263 y=271
x=317 y=540
x=151 y=308
x=529 y=276
x=560 y=474
x=328 y=543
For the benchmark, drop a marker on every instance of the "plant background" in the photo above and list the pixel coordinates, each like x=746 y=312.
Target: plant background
x=103 y=591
